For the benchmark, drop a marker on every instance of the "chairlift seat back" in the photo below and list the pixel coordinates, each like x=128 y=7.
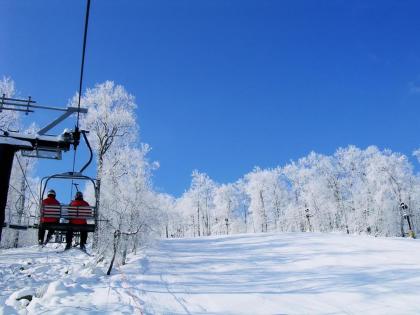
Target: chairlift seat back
x=68 y=212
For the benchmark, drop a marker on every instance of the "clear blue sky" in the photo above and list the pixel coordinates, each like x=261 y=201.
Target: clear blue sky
x=223 y=86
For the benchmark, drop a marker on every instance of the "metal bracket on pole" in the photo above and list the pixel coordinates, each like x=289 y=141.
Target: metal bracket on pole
x=69 y=111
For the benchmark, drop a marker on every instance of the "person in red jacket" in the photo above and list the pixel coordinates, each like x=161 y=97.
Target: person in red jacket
x=49 y=201
x=77 y=202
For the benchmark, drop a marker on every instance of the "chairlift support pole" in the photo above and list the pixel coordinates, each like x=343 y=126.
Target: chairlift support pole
x=308 y=217
x=7 y=153
x=406 y=215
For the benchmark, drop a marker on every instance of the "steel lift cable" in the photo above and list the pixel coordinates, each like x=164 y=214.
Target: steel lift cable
x=83 y=59
x=82 y=66
x=24 y=176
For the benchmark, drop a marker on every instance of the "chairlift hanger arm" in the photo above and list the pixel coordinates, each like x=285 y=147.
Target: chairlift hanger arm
x=90 y=151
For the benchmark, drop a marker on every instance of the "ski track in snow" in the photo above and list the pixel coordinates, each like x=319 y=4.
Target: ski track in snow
x=288 y=273
x=293 y=273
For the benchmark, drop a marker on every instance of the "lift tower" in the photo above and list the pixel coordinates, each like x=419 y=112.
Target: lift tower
x=39 y=145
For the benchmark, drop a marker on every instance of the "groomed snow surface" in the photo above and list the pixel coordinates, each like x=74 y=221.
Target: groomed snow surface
x=291 y=273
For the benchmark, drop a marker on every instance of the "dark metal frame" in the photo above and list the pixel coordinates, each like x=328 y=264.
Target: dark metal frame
x=28 y=106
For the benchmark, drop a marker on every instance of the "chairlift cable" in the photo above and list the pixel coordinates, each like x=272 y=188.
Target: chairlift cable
x=21 y=194
x=81 y=73
x=25 y=209
x=24 y=176
x=83 y=60
x=15 y=189
x=80 y=85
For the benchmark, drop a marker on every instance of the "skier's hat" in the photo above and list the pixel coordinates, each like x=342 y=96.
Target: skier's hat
x=79 y=195
x=51 y=192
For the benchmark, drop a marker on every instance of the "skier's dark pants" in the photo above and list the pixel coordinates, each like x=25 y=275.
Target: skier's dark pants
x=69 y=238
x=41 y=235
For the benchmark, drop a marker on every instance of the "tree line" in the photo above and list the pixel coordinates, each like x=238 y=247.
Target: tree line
x=352 y=191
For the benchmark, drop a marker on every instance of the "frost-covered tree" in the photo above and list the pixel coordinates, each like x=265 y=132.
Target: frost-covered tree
x=416 y=153
x=196 y=207
x=111 y=122
x=170 y=220
x=128 y=208
x=351 y=191
x=111 y=119
x=308 y=194
x=127 y=199
x=226 y=204
x=8 y=118
x=267 y=195
x=390 y=177
x=22 y=200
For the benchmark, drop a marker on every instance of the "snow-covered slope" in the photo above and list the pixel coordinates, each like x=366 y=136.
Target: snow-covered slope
x=293 y=273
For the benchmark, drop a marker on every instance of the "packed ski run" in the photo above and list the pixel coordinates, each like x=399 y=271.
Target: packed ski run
x=287 y=273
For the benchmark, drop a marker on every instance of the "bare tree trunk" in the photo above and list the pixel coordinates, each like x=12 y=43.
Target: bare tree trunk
x=124 y=252
x=134 y=250
x=198 y=218
x=116 y=241
x=264 y=215
x=95 y=243
x=208 y=223
x=99 y=174
x=398 y=193
x=246 y=219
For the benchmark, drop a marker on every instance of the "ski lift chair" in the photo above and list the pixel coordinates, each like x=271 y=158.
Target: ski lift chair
x=20 y=221
x=64 y=213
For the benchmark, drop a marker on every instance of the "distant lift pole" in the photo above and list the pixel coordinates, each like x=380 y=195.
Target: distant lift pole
x=38 y=145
